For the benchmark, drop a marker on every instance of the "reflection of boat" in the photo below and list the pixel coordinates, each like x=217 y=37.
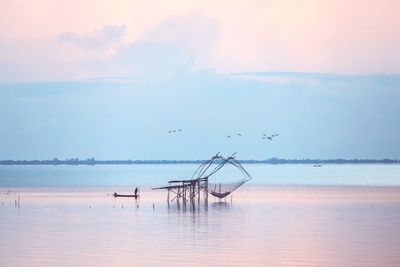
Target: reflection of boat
x=122 y=195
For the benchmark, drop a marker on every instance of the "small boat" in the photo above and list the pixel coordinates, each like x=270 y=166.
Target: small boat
x=317 y=165
x=122 y=195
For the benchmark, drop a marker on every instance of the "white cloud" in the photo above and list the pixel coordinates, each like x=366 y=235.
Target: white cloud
x=106 y=36
x=195 y=32
x=177 y=46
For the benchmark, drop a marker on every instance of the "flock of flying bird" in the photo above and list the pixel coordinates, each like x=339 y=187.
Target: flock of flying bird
x=175 y=131
x=269 y=137
x=264 y=137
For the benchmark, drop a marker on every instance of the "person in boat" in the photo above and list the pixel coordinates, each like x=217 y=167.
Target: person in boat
x=136 y=191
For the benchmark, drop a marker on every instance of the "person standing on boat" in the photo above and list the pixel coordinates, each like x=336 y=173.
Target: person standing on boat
x=136 y=191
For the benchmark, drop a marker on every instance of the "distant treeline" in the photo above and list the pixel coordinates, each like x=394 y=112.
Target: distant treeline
x=93 y=161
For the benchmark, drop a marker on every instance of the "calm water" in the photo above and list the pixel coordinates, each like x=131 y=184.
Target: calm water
x=277 y=220
x=152 y=175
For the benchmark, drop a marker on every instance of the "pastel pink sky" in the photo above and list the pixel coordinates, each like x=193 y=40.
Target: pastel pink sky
x=58 y=40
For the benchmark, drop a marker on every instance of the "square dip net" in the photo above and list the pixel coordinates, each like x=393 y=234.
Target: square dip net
x=224 y=175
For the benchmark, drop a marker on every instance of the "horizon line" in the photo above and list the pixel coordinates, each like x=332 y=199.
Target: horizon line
x=256 y=72
x=274 y=160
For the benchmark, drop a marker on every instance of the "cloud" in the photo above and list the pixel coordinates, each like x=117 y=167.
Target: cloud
x=196 y=32
x=316 y=36
x=178 y=45
x=316 y=78
x=106 y=36
x=276 y=78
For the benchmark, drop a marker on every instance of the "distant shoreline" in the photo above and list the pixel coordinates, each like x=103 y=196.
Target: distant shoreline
x=92 y=161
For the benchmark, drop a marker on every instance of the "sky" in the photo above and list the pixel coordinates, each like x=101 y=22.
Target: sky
x=109 y=79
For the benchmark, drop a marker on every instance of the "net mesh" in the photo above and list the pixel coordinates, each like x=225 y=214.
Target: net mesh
x=217 y=186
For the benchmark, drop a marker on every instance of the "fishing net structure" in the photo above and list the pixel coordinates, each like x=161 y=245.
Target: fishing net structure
x=224 y=175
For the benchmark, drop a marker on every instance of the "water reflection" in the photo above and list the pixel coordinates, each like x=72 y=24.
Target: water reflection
x=197 y=206
x=220 y=205
x=188 y=206
x=262 y=226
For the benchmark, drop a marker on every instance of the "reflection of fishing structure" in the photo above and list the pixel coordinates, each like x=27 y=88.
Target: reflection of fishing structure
x=201 y=182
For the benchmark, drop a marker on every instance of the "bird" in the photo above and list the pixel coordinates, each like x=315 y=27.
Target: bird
x=269 y=137
x=180 y=130
x=276 y=134
x=169 y=131
x=228 y=136
x=263 y=137
x=239 y=134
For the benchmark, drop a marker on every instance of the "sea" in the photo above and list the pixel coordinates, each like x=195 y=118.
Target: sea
x=286 y=215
